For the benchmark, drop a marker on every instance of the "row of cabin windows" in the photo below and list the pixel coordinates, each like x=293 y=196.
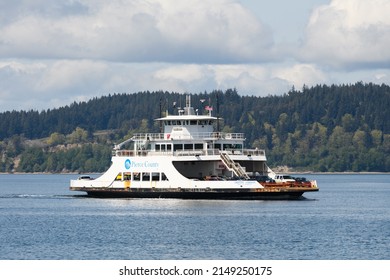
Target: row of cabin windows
x=189 y=122
x=196 y=146
x=141 y=176
x=163 y=147
x=228 y=146
x=176 y=147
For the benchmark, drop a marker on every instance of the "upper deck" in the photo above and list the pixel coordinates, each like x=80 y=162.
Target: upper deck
x=183 y=153
x=186 y=133
x=205 y=136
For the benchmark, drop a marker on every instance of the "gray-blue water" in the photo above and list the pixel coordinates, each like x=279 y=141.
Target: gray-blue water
x=349 y=218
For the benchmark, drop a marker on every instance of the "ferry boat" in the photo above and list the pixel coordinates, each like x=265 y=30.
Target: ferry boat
x=188 y=159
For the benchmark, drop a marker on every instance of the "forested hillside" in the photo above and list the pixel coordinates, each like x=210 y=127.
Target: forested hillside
x=323 y=128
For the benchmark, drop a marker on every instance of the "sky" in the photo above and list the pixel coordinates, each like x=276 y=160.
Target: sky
x=55 y=52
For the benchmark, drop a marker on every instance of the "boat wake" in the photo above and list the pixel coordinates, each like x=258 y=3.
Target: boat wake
x=38 y=196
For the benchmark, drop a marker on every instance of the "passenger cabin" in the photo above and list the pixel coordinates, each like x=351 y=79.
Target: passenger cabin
x=194 y=134
x=192 y=139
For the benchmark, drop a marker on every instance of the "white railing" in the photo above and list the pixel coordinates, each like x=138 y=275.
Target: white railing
x=195 y=136
x=210 y=152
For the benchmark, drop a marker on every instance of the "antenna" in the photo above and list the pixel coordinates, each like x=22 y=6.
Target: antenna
x=161 y=114
x=188 y=101
x=173 y=107
x=167 y=104
x=217 y=113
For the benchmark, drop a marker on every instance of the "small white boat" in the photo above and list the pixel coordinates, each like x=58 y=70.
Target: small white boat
x=189 y=160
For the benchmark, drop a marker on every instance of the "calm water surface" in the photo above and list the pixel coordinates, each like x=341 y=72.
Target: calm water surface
x=349 y=218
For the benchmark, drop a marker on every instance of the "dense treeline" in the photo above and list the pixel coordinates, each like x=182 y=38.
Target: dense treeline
x=322 y=128
x=75 y=152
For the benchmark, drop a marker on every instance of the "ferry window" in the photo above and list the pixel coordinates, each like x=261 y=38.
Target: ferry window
x=127 y=176
x=162 y=147
x=188 y=147
x=146 y=176
x=217 y=146
x=136 y=177
x=163 y=177
x=169 y=147
x=177 y=147
x=155 y=176
x=227 y=146
x=118 y=177
x=193 y=122
x=198 y=146
x=234 y=146
x=158 y=147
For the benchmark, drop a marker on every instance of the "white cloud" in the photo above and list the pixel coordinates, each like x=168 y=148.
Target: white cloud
x=138 y=31
x=301 y=74
x=55 y=52
x=349 y=34
x=259 y=80
x=186 y=73
x=44 y=84
x=52 y=83
x=65 y=75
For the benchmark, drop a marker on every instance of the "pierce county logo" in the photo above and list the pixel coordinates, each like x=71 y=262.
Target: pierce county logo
x=127 y=164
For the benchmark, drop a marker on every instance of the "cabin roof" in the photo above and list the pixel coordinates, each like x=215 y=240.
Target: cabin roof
x=186 y=117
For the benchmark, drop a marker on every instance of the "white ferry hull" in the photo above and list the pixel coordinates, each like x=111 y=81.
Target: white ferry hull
x=222 y=194
x=178 y=186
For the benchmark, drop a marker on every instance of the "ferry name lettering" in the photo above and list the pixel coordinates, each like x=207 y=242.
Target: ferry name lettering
x=145 y=164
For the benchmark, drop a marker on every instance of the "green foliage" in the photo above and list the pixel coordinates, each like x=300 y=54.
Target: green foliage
x=86 y=158
x=312 y=149
x=56 y=139
x=323 y=128
x=79 y=135
x=60 y=154
x=32 y=160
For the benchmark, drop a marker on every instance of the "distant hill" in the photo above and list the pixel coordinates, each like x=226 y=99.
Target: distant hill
x=322 y=128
